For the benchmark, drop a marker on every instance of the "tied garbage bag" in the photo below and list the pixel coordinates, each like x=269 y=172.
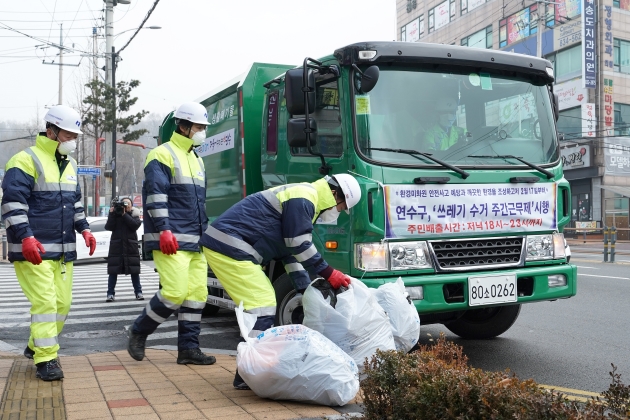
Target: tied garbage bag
x=356 y=323
x=403 y=315
x=293 y=362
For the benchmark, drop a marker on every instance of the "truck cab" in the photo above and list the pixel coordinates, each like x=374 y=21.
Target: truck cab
x=457 y=155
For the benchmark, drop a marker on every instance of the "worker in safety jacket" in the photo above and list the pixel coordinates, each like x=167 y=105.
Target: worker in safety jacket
x=41 y=209
x=275 y=224
x=174 y=195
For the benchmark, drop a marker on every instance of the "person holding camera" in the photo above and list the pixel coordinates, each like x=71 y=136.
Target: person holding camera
x=123 y=258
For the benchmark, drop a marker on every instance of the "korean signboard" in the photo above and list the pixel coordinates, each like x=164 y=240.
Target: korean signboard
x=617 y=156
x=608 y=39
x=568 y=9
x=217 y=143
x=576 y=157
x=589 y=74
x=518 y=26
x=609 y=107
x=442 y=14
x=571 y=94
x=568 y=34
x=424 y=211
x=589 y=120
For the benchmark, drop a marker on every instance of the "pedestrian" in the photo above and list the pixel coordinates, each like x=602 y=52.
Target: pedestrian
x=174 y=196
x=275 y=224
x=41 y=208
x=123 y=257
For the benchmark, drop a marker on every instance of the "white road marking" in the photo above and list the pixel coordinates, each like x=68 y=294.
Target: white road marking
x=590 y=268
x=605 y=277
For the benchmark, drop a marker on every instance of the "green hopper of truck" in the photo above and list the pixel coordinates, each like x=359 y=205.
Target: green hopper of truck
x=457 y=155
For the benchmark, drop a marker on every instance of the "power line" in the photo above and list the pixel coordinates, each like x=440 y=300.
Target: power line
x=140 y=27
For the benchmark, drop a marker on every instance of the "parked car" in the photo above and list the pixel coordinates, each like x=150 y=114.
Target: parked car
x=102 y=236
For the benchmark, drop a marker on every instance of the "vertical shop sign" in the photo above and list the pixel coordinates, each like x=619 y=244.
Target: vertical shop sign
x=608 y=39
x=589 y=75
x=588 y=120
x=609 y=108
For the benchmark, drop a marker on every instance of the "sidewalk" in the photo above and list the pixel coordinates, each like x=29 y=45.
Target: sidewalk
x=114 y=386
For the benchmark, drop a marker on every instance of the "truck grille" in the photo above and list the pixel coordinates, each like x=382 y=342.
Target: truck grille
x=470 y=254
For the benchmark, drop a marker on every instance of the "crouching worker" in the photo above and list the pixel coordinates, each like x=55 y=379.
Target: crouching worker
x=174 y=195
x=275 y=224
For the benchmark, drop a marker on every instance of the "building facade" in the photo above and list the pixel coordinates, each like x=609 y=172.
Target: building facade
x=588 y=43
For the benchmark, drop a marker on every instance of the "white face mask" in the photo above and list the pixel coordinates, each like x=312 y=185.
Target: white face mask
x=198 y=137
x=67 y=147
x=446 y=120
x=328 y=216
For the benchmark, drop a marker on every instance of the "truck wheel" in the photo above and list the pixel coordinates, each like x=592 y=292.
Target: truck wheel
x=484 y=323
x=289 y=302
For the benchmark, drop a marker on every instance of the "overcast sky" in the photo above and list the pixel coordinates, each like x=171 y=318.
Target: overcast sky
x=202 y=44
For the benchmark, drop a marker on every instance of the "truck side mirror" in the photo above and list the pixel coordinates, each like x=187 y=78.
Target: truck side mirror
x=294 y=81
x=556 y=106
x=296 y=135
x=368 y=79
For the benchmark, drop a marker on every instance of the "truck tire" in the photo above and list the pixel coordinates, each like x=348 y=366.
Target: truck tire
x=484 y=323
x=289 y=303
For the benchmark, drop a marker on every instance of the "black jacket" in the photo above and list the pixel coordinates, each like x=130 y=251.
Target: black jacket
x=123 y=257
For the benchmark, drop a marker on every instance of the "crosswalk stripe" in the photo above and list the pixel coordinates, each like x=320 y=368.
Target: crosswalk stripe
x=173 y=334
x=73 y=321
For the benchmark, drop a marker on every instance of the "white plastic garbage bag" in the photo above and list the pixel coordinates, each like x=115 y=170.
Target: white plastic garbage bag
x=403 y=315
x=357 y=323
x=293 y=362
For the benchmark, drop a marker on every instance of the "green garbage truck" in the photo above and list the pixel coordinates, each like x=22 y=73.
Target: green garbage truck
x=457 y=155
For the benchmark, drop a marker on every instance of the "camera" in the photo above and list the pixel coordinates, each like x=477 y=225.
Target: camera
x=119 y=206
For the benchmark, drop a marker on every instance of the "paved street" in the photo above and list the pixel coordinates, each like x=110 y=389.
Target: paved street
x=94 y=325
x=567 y=343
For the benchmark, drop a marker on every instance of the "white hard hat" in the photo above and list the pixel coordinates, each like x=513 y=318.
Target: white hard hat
x=65 y=118
x=350 y=188
x=193 y=112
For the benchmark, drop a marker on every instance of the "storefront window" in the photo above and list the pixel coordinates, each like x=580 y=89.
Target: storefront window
x=622 y=119
x=616 y=207
x=581 y=207
x=621 y=51
x=480 y=39
x=570 y=123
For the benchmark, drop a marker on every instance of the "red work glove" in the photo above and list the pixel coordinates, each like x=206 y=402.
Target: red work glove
x=31 y=248
x=90 y=241
x=338 y=279
x=168 y=243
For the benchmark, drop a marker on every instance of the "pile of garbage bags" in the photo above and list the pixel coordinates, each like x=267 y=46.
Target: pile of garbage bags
x=320 y=361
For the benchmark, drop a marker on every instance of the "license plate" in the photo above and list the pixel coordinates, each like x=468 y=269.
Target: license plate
x=485 y=290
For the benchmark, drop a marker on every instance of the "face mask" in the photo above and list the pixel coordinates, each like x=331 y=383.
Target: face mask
x=198 y=137
x=328 y=216
x=67 y=147
x=446 y=120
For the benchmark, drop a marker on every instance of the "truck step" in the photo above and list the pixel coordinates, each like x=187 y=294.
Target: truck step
x=221 y=302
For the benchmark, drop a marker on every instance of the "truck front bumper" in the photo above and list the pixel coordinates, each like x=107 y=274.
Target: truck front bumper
x=449 y=292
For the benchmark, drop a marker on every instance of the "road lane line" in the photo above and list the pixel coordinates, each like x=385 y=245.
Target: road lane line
x=590 y=268
x=604 y=277
x=572 y=391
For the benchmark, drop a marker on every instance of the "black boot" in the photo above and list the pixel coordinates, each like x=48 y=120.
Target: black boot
x=239 y=383
x=195 y=357
x=28 y=353
x=136 y=344
x=49 y=371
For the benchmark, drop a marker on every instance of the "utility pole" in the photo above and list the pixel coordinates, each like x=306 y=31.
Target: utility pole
x=96 y=183
x=109 y=44
x=114 y=57
x=541 y=17
x=60 y=63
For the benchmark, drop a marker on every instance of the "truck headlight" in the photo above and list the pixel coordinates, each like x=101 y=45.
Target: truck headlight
x=545 y=247
x=409 y=255
x=371 y=256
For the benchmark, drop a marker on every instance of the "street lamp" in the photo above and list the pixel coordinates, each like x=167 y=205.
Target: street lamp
x=115 y=57
x=133 y=29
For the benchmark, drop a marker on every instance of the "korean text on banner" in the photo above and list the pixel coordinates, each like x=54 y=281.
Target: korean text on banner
x=414 y=211
x=217 y=143
x=588 y=120
x=589 y=75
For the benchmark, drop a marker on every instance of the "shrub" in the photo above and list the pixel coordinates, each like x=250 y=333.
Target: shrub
x=436 y=382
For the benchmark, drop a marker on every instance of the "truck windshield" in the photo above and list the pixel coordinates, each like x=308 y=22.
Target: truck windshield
x=462 y=117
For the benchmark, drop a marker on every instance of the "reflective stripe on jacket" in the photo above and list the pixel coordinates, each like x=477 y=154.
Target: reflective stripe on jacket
x=174 y=194
x=274 y=224
x=40 y=201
